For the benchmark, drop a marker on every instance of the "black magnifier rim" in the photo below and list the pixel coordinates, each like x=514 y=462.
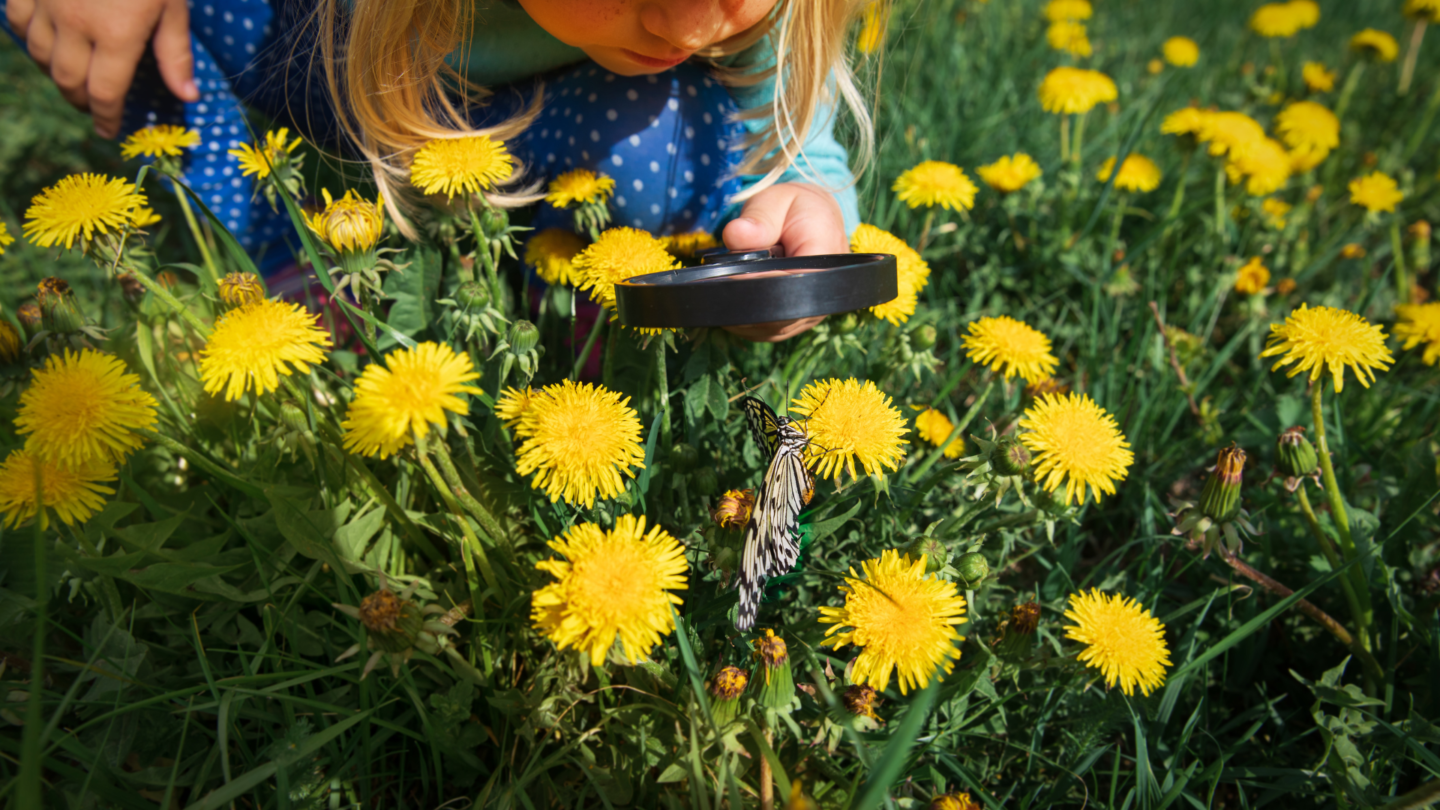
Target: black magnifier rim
x=695 y=297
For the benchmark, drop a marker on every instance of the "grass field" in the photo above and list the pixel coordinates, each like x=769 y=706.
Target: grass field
x=183 y=647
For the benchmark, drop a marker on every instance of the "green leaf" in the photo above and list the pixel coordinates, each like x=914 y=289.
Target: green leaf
x=352 y=538
x=236 y=788
x=414 y=291
x=893 y=759
x=825 y=528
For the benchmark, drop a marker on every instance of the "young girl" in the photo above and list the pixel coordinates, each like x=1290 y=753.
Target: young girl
x=703 y=111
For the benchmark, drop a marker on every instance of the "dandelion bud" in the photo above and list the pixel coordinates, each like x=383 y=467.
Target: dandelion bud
x=524 y=337
x=473 y=295
x=847 y=323
x=924 y=337
x=493 y=222
x=973 y=569
x=777 y=687
x=1420 y=247
x=936 y=553
x=350 y=224
x=704 y=481
x=10 y=343
x=1295 y=453
x=58 y=312
x=1047 y=502
x=1011 y=458
x=684 y=457
x=725 y=691
x=30 y=318
x=1220 y=500
x=238 y=289
x=393 y=624
x=293 y=418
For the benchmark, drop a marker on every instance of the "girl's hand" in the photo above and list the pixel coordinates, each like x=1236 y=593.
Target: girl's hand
x=802 y=217
x=91 y=47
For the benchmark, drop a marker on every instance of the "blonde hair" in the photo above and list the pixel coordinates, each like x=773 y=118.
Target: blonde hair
x=394 y=88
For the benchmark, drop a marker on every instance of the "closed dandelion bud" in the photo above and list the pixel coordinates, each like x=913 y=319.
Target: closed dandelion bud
x=924 y=337
x=10 y=343
x=684 y=457
x=704 y=481
x=494 y=221
x=725 y=690
x=973 y=569
x=775 y=683
x=1220 y=500
x=58 y=312
x=524 y=337
x=1295 y=454
x=1048 y=502
x=30 y=318
x=1420 y=248
x=936 y=553
x=238 y=289
x=473 y=295
x=1011 y=457
x=847 y=323
x=392 y=624
x=733 y=510
x=293 y=418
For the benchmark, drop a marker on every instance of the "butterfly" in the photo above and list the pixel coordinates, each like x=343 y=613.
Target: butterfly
x=772 y=537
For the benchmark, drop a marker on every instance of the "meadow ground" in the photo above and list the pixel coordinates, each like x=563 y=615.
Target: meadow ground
x=281 y=599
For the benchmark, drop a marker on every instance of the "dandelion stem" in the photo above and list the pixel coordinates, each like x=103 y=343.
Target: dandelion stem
x=196 y=232
x=471 y=543
x=190 y=318
x=1402 y=278
x=662 y=381
x=477 y=510
x=1328 y=549
x=201 y=461
x=1179 y=198
x=1407 y=72
x=600 y=321
x=767 y=784
x=925 y=231
x=1220 y=216
x=1352 y=81
x=1064 y=138
x=1337 y=511
x=1423 y=796
x=1418 y=136
x=32 y=738
x=1115 y=229
x=1079 y=139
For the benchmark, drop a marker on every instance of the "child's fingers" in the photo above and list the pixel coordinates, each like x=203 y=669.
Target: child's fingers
x=39 y=37
x=18 y=14
x=111 y=70
x=70 y=66
x=172 y=51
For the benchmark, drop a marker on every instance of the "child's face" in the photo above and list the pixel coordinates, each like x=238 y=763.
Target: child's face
x=635 y=37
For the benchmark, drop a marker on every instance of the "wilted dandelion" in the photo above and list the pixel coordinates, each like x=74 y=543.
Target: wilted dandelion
x=1317 y=78
x=1121 y=639
x=1376 y=45
x=466 y=165
x=1137 y=173
x=1010 y=173
x=1180 y=51
x=552 y=253
x=912 y=273
x=1420 y=323
x=846 y=421
x=580 y=440
x=74 y=494
x=734 y=509
x=404 y=396
x=253 y=345
x=936 y=182
x=1067 y=90
x=1074 y=442
x=263 y=160
x=349 y=224
x=1324 y=338
x=935 y=427
x=614 y=584
x=1005 y=344
x=84 y=408
x=1069 y=37
x=1252 y=278
x=79 y=207
x=903 y=620
x=1375 y=192
x=620 y=253
x=157 y=140
x=579 y=187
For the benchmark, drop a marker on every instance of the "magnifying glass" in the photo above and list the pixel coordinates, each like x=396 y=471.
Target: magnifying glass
x=733 y=288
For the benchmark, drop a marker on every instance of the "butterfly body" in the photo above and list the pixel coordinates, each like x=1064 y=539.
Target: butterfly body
x=772 y=538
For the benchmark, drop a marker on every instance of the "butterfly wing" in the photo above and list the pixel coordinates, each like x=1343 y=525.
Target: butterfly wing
x=772 y=538
x=764 y=425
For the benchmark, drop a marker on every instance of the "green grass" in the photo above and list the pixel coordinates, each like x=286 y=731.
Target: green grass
x=187 y=635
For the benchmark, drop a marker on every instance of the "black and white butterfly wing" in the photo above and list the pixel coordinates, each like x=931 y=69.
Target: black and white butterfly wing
x=772 y=538
x=764 y=425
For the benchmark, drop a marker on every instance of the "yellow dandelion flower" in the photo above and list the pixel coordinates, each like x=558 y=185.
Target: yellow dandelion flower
x=580 y=440
x=254 y=344
x=1155 y=67
x=1376 y=45
x=349 y=224
x=1010 y=173
x=1066 y=90
x=81 y=206
x=144 y=218
x=1185 y=121
x=620 y=253
x=405 y=396
x=579 y=186
x=901 y=619
x=686 y=246
x=1075 y=442
x=935 y=427
x=1352 y=251
x=1180 y=51
x=238 y=289
x=1283 y=19
x=260 y=162
x=159 y=139
x=5 y=238
x=1321 y=338
x=1427 y=10
x=512 y=404
x=912 y=273
x=1004 y=343
x=1121 y=639
x=84 y=407
x=72 y=494
x=614 y=584
x=1230 y=133
x=847 y=420
x=1137 y=173
x=1065 y=10
x=1265 y=167
x=1069 y=37
x=1376 y=191
x=1252 y=278
x=552 y=253
x=935 y=182
x=466 y=165
x=1317 y=78
x=872 y=29
x=1275 y=212
x=1310 y=130
x=1420 y=323
x=954 y=801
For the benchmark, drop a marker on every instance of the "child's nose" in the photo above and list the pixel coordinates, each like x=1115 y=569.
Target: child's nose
x=686 y=24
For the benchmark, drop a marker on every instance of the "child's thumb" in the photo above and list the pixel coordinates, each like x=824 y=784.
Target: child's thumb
x=172 y=51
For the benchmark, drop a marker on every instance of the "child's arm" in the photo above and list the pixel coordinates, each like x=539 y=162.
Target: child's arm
x=91 y=47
